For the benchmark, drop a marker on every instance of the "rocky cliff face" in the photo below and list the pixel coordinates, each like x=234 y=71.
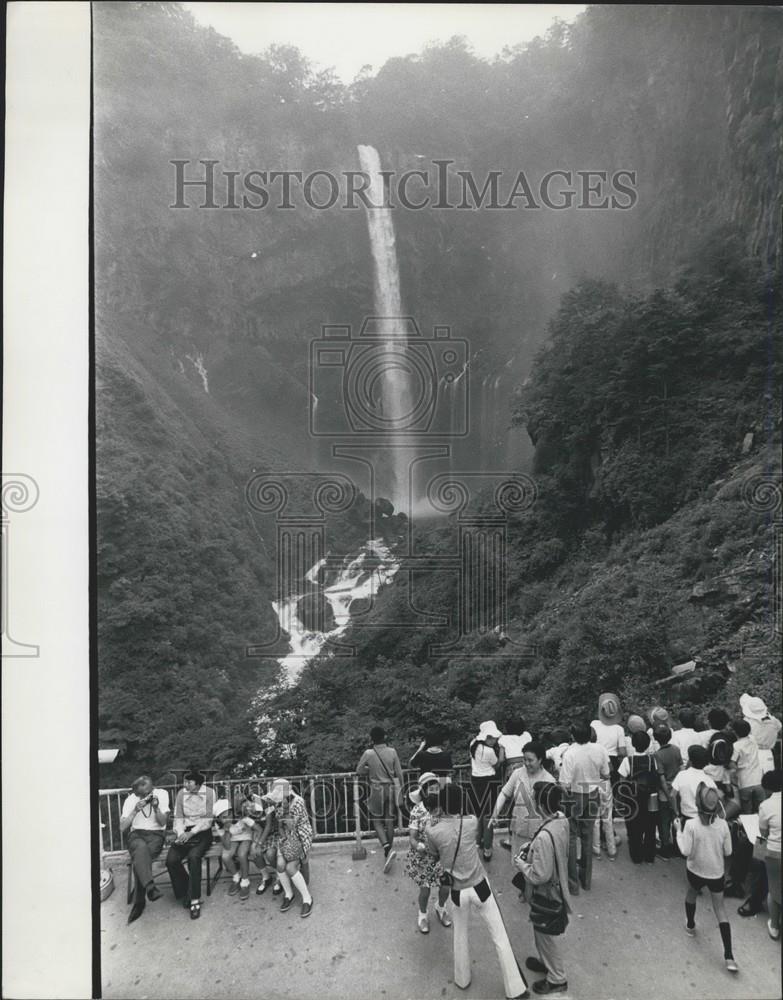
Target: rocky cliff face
x=204 y=316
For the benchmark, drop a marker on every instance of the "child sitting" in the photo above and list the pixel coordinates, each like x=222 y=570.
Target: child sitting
x=237 y=840
x=265 y=842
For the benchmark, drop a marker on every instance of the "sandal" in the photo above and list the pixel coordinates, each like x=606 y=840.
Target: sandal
x=195 y=910
x=747 y=909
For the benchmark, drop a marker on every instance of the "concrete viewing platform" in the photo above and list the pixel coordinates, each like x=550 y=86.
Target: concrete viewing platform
x=626 y=939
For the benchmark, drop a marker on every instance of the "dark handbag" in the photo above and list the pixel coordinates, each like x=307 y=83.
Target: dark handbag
x=447 y=878
x=548 y=912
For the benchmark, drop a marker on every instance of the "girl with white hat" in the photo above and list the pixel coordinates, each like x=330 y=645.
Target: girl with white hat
x=764 y=728
x=425 y=870
x=486 y=757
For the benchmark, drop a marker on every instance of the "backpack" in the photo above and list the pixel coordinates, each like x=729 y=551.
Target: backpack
x=645 y=780
x=720 y=748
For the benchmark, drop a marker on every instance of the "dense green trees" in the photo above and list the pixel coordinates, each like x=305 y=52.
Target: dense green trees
x=203 y=320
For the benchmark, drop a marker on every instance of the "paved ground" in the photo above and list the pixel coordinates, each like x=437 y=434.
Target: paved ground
x=626 y=940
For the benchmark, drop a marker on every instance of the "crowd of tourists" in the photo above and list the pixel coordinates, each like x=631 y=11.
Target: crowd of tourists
x=710 y=795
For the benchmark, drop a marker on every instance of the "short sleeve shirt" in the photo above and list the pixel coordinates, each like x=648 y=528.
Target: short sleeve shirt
x=686 y=783
x=611 y=737
x=145 y=818
x=746 y=756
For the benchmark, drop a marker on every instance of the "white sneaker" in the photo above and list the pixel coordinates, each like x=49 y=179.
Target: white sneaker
x=424 y=924
x=774 y=932
x=389 y=858
x=441 y=914
x=731 y=965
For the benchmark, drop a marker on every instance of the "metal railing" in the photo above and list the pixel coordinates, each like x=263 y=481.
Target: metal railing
x=336 y=803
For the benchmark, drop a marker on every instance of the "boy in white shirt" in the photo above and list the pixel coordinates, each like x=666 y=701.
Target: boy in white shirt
x=686 y=736
x=745 y=768
x=686 y=783
x=705 y=841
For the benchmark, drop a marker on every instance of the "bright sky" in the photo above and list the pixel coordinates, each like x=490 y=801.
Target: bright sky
x=349 y=35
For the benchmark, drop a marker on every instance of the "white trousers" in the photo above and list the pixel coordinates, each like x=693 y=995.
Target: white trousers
x=469 y=902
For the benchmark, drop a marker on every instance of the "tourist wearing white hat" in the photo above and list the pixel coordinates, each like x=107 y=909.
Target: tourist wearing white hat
x=420 y=865
x=295 y=838
x=486 y=757
x=764 y=728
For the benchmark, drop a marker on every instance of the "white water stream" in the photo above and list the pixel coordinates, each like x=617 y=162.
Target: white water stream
x=356 y=581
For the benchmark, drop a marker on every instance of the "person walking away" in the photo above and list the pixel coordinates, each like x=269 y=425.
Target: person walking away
x=420 y=865
x=518 y=790
x=584 y=770
x=486 y=758
x=686 y=735
x=745 y=768
x=669 y=763
x=641 y=772
x=193 y=816
x=544 y=865
x=453 y=839
x=145 y=814
x=769 y=827
x=382 y=766
x=611 y=735
x=295 y=837
x=705 y=841
x=764 y=728
x=432 y=758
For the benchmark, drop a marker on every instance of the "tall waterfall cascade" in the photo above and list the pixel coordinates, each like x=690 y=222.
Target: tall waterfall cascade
x=395 y=404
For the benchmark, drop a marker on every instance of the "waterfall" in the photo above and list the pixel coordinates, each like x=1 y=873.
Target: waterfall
x=360 y=579
x=388 y=307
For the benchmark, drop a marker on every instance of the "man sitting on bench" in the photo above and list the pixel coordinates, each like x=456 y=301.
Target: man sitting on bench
x=145 y=813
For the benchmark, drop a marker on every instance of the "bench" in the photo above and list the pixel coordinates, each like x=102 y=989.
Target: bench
x=213 y=854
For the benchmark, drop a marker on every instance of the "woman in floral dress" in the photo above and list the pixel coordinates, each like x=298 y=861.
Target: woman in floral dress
x=420 y=865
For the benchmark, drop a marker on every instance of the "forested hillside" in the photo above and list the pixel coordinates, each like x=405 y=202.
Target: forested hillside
x=661 y=355
x=651 y=542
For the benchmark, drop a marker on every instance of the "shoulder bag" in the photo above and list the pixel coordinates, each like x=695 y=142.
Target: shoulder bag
x=548 y=910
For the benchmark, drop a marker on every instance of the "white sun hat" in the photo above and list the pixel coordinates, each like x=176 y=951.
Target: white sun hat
x=753 y=708
x=489 y=729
